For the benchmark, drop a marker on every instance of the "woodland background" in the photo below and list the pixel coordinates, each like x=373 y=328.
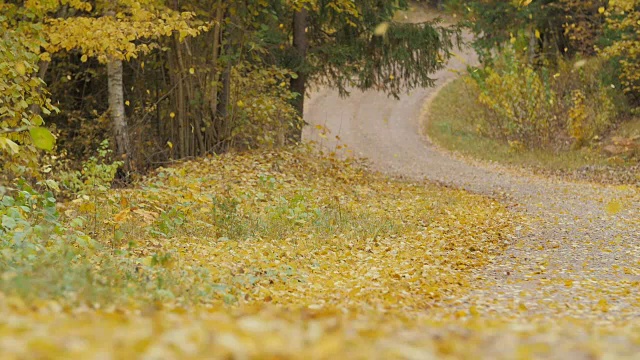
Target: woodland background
x=190 y=78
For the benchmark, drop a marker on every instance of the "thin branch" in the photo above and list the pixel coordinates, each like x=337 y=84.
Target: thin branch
x=14 y=130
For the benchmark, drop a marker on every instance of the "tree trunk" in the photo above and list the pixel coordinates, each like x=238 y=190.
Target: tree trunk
x=224 y=130
x=42 y=71
x=533 y=42
x=217 y=30
x=116 y=110
x=301 y=45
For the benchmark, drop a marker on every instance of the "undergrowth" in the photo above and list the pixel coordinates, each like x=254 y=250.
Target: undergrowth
x=455 y=122
x=285 y=227
x=545 y=106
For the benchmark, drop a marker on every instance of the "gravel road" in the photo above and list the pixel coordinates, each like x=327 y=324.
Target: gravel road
x=576 y=254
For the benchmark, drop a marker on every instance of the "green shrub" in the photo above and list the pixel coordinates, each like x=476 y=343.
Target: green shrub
x=521 y=104
x=546 y=106
x=97 y=173
x=623 y=45
x=44 y=255
x=262 y=115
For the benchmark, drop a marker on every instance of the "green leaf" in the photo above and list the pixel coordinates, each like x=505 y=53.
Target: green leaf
x=42 y=138
x=8 y=223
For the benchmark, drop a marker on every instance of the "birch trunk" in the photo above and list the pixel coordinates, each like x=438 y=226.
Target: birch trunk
x=116 y=111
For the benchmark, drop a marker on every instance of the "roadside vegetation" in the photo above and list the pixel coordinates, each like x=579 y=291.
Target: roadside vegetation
x=560 y=98
x=453 y=123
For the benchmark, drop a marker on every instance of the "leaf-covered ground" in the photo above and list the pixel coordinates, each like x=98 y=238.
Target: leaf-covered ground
x=271 y=253
x=289 y=255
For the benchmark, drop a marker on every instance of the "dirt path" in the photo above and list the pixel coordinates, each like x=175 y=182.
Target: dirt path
x=576 y=255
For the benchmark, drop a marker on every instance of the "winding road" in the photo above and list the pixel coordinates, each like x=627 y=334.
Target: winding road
x=575 y=254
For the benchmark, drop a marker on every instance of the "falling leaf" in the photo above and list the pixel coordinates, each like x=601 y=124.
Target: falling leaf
x=381 y=29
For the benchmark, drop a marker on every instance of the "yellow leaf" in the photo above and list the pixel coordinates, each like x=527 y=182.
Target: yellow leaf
x=613 y=207
x=601 y=9
x=42 y=138
x=381 y=29
x=8 y=144
x=147 y=261
x=127 y=103
x=172 y=115
x=537 y=34
x=20 y=68
x=122 y=215
x=603 y=305
x=170 y=144
x=192 y=71
x=84 y=58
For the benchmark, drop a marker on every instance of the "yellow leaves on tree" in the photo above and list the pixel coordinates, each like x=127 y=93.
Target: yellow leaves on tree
x=623 y=17
x=21 y=92
x=112 y=37
x=42 y=7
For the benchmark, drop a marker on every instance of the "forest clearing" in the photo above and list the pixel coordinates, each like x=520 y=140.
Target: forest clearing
x=167 y=193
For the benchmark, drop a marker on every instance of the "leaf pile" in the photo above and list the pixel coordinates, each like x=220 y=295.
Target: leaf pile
x=47 y=331
x=293 y=229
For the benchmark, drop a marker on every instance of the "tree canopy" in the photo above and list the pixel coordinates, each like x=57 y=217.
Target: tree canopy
x=175 y=71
